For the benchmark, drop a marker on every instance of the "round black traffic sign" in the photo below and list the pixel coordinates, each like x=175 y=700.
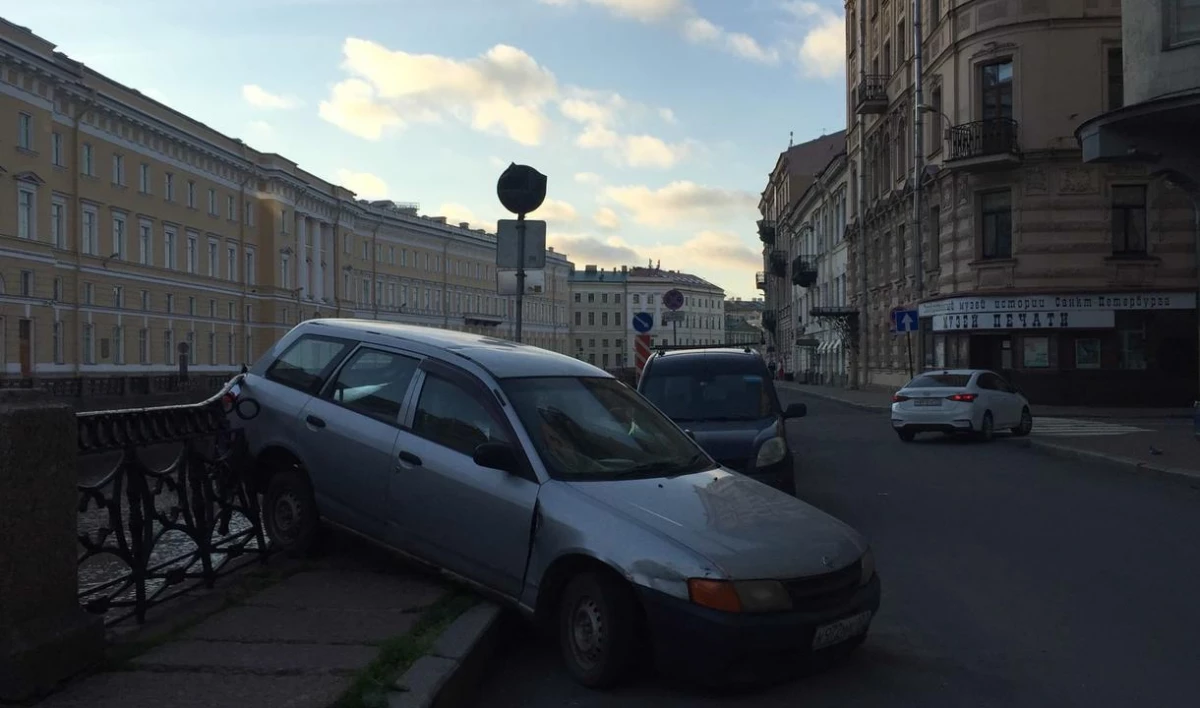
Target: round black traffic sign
x=521 y=188
x=672 y=299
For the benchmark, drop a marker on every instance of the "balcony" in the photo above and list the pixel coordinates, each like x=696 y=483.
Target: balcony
x=983 y=144
x=760 y=280
x=804 y=273
x=870 y=96
x=766 y=232
x=777 y=263
x=482 y=319
x=768 y=321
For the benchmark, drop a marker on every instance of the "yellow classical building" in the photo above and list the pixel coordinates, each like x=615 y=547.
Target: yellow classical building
x=128 y=229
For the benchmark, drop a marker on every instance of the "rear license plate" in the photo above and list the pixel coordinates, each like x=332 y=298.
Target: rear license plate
x=840 y=631
x=927 y=401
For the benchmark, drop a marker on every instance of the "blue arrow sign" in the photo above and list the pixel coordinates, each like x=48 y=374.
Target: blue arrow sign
x=643 y=322
x=905 y=321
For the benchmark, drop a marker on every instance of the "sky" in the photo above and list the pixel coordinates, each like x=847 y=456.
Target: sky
x=656 y=121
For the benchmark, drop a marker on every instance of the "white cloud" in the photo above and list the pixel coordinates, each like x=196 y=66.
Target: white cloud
x=556 y=213
x=502 y=91
x=259 y=97
x=683 y=202
x=599 y=115
x=588 y=178
x=821 y=53
x=643 y=10
x=457 y=213
x=260 y=129
x=668 y=115
x=364 y=184
x=607 y=219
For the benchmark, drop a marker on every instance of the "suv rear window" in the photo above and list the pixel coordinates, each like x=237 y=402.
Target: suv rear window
x=306 y=363
x=701 y=395
x=940 y=381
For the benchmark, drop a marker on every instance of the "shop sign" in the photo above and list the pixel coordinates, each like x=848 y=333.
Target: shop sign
x=1095 y=302
x=1060 y=319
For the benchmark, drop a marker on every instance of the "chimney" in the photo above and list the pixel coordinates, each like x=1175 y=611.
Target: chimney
x=589 y=269
x=624 y=269
x=464 y=224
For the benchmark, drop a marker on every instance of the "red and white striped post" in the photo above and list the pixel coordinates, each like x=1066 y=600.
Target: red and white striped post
x=641 y=352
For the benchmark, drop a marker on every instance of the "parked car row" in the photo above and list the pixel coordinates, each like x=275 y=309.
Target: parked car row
x=617 y=519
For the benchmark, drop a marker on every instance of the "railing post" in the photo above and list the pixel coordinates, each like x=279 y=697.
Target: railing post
x=45 y=636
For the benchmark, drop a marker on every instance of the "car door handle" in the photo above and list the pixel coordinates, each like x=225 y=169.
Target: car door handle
x=315 y=421
x=410 y=458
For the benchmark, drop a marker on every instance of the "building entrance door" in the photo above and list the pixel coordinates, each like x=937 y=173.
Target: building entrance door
x=992 y=351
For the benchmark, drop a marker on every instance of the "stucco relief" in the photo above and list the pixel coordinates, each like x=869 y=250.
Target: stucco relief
x=1036 y=180
x=1077 y=180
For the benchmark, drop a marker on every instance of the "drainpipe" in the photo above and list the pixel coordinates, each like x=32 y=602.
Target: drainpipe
x=86 y=105
x=374 y=268
x=445 y=283
x=245 y=269
x=918 y=170
x=864 y=349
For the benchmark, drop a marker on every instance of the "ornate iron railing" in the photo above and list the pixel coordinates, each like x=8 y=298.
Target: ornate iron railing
x=174 y=510
x=983 y=138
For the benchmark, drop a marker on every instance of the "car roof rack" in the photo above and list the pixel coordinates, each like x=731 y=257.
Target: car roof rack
x=664 y=348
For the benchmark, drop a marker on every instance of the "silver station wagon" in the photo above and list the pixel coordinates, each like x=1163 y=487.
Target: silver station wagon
x=549 y=485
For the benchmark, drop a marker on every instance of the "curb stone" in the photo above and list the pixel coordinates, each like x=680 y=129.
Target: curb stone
x=1126 y=463
x=442 y=678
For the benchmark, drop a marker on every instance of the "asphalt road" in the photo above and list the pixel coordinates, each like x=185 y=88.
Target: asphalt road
x=1010 y=579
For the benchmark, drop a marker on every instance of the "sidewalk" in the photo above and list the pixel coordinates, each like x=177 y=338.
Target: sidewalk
x=881 y=401
x=1160 y=442
x=336 y=633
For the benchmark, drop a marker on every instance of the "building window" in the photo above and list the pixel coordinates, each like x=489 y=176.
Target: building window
x=56 y=149
x=26 y=209
x=118 y=176
x=250 y=265
x=168 y=347
x=285 y=274
x=58 y=342
x=997 y=90
x=1129 y=219
x=89 y=343
x=230 y=208
x=58 y=223
x=936 y=130
x=144 y=178
x=170 y=303
x=145 y=296
x=118 y=336
x=90 y=245
x=935 y=239
x=212 y=202
x=1132 y=354
x=191 y=194
x=25 y=131
x=26 y=284
x=214 y=266
x=169 y=248
x=169 y=187
x=145 y=243
x=88 y=166
x=118 y=296
x=995 y=220
x=231 y=262
x=1183 y=22
x=143 y=346
x=1115 y=73
x=192 y=246
x=118 y=237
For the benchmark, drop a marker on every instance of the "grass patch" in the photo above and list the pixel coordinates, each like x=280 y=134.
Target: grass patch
x=371 y=685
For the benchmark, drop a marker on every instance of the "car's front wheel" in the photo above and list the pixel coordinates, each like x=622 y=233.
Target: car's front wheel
x=597 y=629
x=1026 y=425
x=290 y=512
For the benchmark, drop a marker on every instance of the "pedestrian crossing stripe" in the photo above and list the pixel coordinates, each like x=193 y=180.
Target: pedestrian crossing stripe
x=1075 y=428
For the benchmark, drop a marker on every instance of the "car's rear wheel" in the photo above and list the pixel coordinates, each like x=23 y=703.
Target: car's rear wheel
x=597 y=628
x=290 y=512
x=987 y=427
x=1026 y=425
x=906 y=435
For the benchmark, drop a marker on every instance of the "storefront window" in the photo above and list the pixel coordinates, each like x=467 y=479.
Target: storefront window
x=1035 y=352
x=1133 y=349
x=1087 y=353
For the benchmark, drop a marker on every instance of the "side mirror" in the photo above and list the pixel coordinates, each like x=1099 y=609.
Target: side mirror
x=496 y=456
x=796 y=410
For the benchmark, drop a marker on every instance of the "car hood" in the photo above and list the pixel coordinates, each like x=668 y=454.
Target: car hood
x=731 y=440
x=748 y=529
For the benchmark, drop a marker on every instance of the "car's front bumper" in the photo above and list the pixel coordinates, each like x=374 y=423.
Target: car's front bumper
x=723 y=647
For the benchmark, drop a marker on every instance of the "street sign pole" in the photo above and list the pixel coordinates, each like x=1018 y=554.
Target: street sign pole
x=520 y=275
x=675 y=332
x=908 y=340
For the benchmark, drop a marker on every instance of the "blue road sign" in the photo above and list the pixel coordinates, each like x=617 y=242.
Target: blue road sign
x=904 y=321
x=643 y=322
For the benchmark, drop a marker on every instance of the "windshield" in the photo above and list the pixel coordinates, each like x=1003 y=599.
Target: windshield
x=600 y=429
x=710 y=397
x=940 y=381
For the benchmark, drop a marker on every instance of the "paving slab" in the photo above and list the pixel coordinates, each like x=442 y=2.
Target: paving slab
x=366 y=591
x=257 y=658
x=270 y=625
x=185 y=689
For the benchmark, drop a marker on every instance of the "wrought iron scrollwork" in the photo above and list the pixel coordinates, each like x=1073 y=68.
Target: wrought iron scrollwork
x=176 y=508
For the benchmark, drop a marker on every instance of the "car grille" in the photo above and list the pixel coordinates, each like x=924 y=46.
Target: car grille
x=821 y=592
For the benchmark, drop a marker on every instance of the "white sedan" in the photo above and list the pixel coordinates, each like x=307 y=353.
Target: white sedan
x=959 y=401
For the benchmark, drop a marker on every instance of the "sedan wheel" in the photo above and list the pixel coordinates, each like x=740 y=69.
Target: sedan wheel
x=987 y=429
x=596 y=629
x=1026 y=425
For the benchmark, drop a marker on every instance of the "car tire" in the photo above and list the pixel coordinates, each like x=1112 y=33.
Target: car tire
x=987 y=427
x=290 y=514
x=1026 y=425
x=597 y=630
x=906 y=435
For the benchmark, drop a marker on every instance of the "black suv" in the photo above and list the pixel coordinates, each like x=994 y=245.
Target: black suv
x=725 y=398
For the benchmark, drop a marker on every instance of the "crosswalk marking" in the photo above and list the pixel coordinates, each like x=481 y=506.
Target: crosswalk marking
x=1071 y=427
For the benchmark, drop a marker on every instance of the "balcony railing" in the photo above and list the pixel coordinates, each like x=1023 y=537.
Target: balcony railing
x=766 y=232
x=870 y=96
x=778 y=263
x=995 y=137
x=760 y=280
x=804 y=273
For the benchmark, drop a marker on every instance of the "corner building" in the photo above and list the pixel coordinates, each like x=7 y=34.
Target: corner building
x=1076 y=281
x=128 y=229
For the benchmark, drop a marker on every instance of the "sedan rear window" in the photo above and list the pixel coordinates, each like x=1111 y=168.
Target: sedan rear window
x=940 y=381
x=307 y=362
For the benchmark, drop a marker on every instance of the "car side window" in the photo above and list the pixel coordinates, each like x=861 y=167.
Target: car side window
x=307 y=362
x=374 y=383
x=452 y=417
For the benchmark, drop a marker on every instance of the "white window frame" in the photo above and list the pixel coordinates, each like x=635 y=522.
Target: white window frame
x=192 y=255
x=214 y=258
x=118 y=169
x=285 y=271
x=251 y=278
x=89 y=237
x=144 y=346
x=88 y=160
x=25 y=130
x=88 y=343
x=145 y=242
x=58 y=222
x=169 y=187
x=144 y=178
x=27 y=212
x=212 y=201
x=56 y=149
x=231 y=262
x=118 y=344
x=230 y=207
x=170 y=238
x=191 y=194
x=119 y=232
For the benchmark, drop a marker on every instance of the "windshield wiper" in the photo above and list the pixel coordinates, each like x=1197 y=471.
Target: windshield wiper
x=672 y=468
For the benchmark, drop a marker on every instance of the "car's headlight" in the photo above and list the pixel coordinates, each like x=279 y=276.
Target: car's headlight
x=740 y=595
x=867 y=563
x=772 y=452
